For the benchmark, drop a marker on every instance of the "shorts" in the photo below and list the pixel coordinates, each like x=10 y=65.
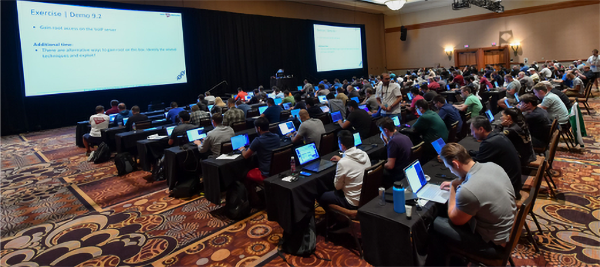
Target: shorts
x=92 y=140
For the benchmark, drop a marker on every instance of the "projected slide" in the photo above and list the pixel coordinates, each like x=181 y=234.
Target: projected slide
x=70 y=48
x=337 y=48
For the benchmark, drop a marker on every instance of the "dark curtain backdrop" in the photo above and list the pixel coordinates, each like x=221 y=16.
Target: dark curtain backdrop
x=245 y=50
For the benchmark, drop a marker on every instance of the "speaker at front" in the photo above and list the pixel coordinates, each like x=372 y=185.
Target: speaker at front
x=402 y=33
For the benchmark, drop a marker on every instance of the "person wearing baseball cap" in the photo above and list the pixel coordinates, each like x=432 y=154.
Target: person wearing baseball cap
x=533 y=75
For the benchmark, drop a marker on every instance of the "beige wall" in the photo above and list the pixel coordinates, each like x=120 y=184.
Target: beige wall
x=562 y=34
x=374 y=25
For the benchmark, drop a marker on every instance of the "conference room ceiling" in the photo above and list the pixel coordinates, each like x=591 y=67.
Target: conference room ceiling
x=378 y=6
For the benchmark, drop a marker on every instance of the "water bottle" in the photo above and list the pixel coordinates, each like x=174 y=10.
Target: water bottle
x=293 y=165
x=399 y=204
x=133 y=126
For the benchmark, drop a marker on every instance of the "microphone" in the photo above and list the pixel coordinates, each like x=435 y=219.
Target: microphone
x=224 y=81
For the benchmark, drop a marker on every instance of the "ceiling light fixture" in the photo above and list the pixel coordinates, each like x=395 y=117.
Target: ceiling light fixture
x=395 y=4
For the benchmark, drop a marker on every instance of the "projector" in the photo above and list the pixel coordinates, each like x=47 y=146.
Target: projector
x=492 y=5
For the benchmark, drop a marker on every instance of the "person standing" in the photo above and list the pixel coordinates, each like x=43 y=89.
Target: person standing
x=388 y=97
x=594 y=63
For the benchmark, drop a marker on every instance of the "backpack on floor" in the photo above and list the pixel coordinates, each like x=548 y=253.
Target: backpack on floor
x=158 y=170
x=125 y=163
x=187 y=188
x=237 y=205
x=102 y=154
x=301 y=242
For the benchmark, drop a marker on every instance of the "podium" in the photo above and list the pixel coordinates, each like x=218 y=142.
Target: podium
x=285 y=83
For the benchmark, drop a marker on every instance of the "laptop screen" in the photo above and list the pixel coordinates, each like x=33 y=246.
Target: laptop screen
x=170 y=130
x=357 y=141
x=325 y=109
x=355 y=99
x=278 y=101
x=322 y=98
x=307 y=153
x=262 y=109
x=364 y=107
x=195 y=134
x=251 y=94
x=191 y=105
x=248 y=97
x=438 y=145
x=415 y=175
x=409 y=96
x=488 y=113
x=448 y=87
x=125 y=120
x=396 y=121
x=210 y=107
x=166 y=114
x=287 y=127
x=336 y=116
x=287 y=105
x=299 y=87
x=239 y=141
x=295 y=113
x=112 y=117
x=496 y=84
x=517 y=97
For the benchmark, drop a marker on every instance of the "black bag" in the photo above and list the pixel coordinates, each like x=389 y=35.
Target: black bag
x=125 y=163
x=189 y=187
x=102 y=154
x=301 y=242
x=158 y=170
x=237 y=205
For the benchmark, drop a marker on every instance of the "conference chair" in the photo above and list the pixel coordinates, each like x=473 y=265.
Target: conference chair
x=226 y=148
x=565 y=134
x=274 y=128
x=284 y=115
x=280 y=160
x=252 y=113
x=535 y=189
x=325 y=118
x=504 y=254
x=584 y=98
x=452 y=132
x=205 y=122
x=550 y=159
x=553 y=128
x=416 y=152
x=141 y=125
x=327 y=144
x=239 y=126
x=466 y=127
x=370 y=189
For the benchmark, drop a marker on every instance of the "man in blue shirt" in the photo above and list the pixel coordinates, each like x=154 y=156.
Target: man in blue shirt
x=447 y=112
x=243 y=106
x=263 y=145
x=273 y=112
x=524 y=67
x=173 y=112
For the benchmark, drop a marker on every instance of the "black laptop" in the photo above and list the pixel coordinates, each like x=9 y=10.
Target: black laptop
x=309 y=159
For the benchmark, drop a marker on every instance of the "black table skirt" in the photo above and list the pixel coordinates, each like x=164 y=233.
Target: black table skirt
x=149 y=150
x=127 y=141
x=219 y=174
x=284 y=83
x=82 y=128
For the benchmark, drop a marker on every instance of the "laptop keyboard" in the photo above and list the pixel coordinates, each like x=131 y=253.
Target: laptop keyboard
x=429 y=192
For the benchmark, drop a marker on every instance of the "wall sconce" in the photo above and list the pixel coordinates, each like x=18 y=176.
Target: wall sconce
x=515 y=47
x=449 y=53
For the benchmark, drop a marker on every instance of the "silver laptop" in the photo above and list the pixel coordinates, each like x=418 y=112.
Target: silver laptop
x=420 y=187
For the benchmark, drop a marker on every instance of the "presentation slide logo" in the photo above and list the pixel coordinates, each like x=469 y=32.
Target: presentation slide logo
x=180 y=75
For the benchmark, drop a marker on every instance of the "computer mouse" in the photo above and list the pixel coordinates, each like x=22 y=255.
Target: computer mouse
x=373 y=145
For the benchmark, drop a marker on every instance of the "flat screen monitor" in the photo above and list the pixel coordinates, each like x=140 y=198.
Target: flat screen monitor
x=239 y=141
x=287 y=127
x=336 y=116
x=262 y=109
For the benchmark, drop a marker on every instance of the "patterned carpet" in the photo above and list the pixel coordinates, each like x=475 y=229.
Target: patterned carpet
x=57 y=209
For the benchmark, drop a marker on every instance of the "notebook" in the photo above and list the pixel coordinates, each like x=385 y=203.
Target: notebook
x=438 y=145
x=309 y=159
x=420 y=187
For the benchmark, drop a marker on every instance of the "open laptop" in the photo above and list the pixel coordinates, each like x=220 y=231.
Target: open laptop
x=296 y=113
x=278 y=101
x=364 y=107
x=191 y=105
x=170 y=130
x=355 y=99
x=396 y=121
x=309 y=159
x=262 y=109
x=125 y=121
x=299 y=87
x=287 y=128
x=322 y=99
x=336 y=116
x=195 y=134
x=358 y=142
x=287 y=105
x=166 y=114
x=448 y=87
x=438 y=145
x=210 y=107
x=325 y=109
x=496 y=84
x=410 y=96
x=239 y=141
x=248 y=97
x=420 y=187
x=112 y=117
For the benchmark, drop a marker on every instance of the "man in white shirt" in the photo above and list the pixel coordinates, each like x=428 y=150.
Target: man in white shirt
x=209 y=98
x=98 y=122
x=546 y=72
x=388 y=97
x=594 y=63
x=349 y=174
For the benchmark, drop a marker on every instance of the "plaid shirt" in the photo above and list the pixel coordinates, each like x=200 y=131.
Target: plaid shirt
x=196 y=116
x=233 y=115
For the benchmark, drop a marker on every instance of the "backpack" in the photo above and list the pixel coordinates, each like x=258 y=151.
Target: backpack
x=125 y=163
x=301 y=242
x=158 y=170
x=188 y=187
x=237 y=205
x=102 y=154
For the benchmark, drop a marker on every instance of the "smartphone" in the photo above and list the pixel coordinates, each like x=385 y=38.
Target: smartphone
x=305 y=173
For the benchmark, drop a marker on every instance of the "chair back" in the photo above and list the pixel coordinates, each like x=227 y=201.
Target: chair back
x=459 y=98
x=452 y=132
x=372 y=180
x=416 y=152
x=553 y=127
x=553 y=146
x=327 y=143
x=224 y=109
x=280 y=160
x=141 y=125
x=537 y=181
x=252 y=113
x=226 y=147
x=588 y=91
x=239 y=126
x=325 y=118
x=284 y=115
x=205 y=122
x=515 y=233
x=465 y=127
x=274 y=128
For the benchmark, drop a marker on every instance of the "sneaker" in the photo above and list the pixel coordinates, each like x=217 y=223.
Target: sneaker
x=91 y=156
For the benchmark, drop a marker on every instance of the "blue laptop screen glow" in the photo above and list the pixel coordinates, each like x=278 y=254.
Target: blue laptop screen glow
x=322 y=98
x=125 y=120
x=287 y=127
x=248 y=97
x=307 y=153
x=295 y=113
x=489 y=115
x=438 y=145
x=170 y=130
x=325 y=109
x=210 y=107
x=410 y=97
x=364 y=107
x=355 y=99
x=195 y=134
x=239 y=141
x=112 y=117
x=357 y=141
x=336 y=116
x=415 y=175
x=448 y=86
x=287 y=105
x=278 y=101
x=396 y=121
x=496 y=84
x=262 y=109
x=299 y=87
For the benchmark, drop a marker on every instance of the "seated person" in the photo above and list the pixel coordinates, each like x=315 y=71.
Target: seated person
x=173 y=112
x=433 y=85
x=359 y=119
x=278 y=93
x=98 y=122
x=537 y=121
x=496 y=148
x=412 y=110
x=514 y=87
x=428 y=94
x=341 y=95
x=219 y=102
x=300 y=104
x=552 y=104
x=202 y=103
x=183 y=127
x=123 y=113
x=577 y=89
x=398 y=151
x=289 y=98
x=371 y=100
x=256 y=98
x=263 y=145
x=197 y=115
x=219 y=135
x=472 y=103
x=273 y=112
x=481 y=207
x=113 y=107
x=336 y=104
x=233 y=115
x=135 y=117
x=310 y=129
x=313 y=110
x=243 y=106
x=209 y=98
x=307 y=89
x=429 y=125
x=447 y=112
x=517 y=131
x=241 y=94
x=349 y=174
x=322 y=90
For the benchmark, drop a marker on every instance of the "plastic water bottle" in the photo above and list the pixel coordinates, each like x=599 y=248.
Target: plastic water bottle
x=293 y=165
x=133 y=126
x=399 y=203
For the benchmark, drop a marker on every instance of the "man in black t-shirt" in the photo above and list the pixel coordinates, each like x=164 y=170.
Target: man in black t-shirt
x=136 y=117
x=182 y=128
x=357 y=118
x=537 y=120
x=314 y=111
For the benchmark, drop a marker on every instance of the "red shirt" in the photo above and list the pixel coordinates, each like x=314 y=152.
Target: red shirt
x=241 y=96
x=459 y=80
x=414 y=101
x=485 y=81
x=434 y=86
x=112 y=110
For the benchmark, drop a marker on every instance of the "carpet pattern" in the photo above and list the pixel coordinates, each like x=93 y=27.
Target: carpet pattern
x=57 y=209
